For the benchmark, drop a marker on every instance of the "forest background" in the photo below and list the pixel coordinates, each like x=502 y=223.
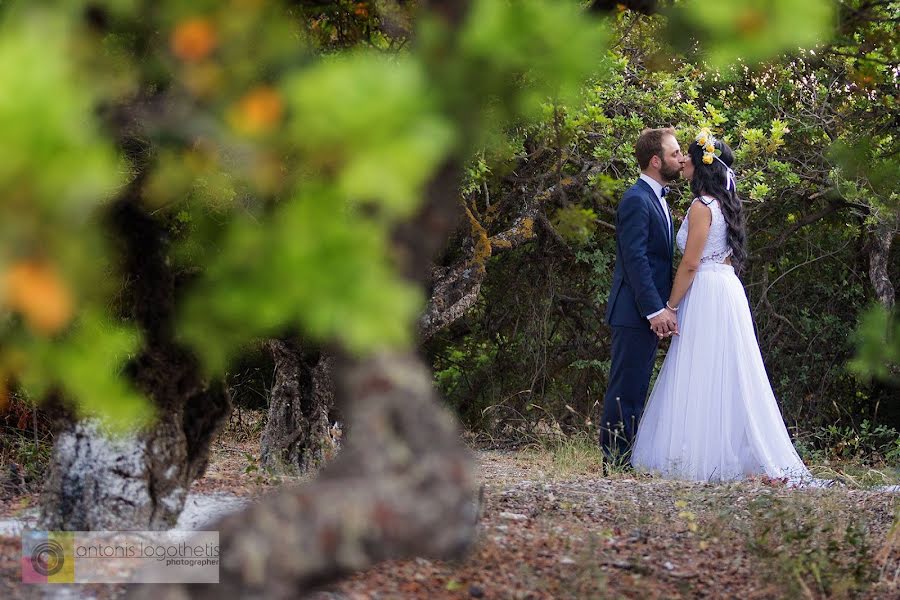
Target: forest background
x=816 y=139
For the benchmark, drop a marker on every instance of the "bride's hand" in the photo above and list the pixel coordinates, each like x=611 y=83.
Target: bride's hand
x=663 y=323
x=674 y=330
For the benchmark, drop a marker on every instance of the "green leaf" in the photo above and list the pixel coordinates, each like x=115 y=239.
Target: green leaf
x=453 y=585
x=750 y=30
x=759 y=192
x=50 y=139
x=878 y=345
x=314 y=264
x=86 y=365
x=374 y=119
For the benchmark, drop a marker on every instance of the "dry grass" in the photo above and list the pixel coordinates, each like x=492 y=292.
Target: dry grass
x=554 y=527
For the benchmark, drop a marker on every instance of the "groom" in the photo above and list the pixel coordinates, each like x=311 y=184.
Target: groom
x=641 y=284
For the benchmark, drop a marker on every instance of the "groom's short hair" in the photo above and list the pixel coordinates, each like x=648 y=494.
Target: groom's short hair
x=649 y=144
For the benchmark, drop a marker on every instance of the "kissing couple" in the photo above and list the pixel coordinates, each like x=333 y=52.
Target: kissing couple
x=712 y=415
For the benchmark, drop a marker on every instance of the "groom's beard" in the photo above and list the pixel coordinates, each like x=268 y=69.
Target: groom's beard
x=670 y=174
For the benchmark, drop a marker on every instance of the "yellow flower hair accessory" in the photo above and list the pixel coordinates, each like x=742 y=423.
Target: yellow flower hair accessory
x=704 y=135
x=706 y=141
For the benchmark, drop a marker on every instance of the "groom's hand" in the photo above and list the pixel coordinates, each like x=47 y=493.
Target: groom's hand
x=664 y=324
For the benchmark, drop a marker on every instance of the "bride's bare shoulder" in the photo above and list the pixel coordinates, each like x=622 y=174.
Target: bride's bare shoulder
x=700 y=206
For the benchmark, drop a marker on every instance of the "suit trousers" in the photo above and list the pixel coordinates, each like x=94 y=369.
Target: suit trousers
x=633 y=355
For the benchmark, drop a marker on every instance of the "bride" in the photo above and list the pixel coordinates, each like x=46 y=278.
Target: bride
x=712 y=415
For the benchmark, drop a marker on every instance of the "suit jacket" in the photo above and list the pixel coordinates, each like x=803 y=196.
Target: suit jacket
x=642 y=280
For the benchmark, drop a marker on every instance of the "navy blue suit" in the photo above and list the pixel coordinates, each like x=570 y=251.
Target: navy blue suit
x=642 y=282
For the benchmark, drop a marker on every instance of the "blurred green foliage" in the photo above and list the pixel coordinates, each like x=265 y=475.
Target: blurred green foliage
x=386 y=132
x=574 y=223
x=879 y=345
x=278 y=144
x=276 y=149
x=56 y=171
x=311 y=263
x=750 y=31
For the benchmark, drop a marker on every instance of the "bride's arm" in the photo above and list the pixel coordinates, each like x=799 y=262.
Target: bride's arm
x=698 y=231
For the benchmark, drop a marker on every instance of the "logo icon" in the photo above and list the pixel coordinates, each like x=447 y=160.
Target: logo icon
x=47 y=558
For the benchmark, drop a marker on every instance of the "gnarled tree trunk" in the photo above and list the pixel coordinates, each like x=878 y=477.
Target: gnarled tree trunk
x=402 y=486
x=878 y=246
x=456 y=288
x=297 y=437
x=103 y=482
x=139 y=481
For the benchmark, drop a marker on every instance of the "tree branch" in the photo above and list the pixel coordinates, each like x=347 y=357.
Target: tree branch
x=833 y=206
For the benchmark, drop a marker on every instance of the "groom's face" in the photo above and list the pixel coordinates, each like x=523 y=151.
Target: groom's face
x=671 y=159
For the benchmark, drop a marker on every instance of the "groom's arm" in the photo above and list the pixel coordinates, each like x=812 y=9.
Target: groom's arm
x=633 y=230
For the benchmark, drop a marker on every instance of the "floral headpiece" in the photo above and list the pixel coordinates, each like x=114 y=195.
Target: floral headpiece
x=706 y=141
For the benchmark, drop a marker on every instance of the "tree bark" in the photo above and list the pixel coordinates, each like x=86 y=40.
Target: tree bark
x=878 y=246
x=456 y=288
x=139 y=481
x=297 y=437
x=404 y=485
x=103 y=482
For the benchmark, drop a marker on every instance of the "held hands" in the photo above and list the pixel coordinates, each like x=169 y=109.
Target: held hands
x=664 y=324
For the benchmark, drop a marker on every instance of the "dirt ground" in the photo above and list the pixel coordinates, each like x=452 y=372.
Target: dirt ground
x=548 y=532
x=543 y=536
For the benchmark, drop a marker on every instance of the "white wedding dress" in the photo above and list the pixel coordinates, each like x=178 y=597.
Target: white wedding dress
x=712 y=415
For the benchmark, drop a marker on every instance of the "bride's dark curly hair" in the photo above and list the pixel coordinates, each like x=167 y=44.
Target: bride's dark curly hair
x=712 y=180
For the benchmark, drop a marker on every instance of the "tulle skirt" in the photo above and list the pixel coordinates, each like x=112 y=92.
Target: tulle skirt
x=712 y=415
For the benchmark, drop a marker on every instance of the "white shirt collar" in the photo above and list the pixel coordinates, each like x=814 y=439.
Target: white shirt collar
x=657 y=187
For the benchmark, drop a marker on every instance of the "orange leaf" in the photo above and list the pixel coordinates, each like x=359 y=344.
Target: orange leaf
x=193 y=39
x=260 y=110
x=35 y=289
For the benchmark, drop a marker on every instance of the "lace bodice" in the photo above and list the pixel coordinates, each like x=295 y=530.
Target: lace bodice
x=716 y=249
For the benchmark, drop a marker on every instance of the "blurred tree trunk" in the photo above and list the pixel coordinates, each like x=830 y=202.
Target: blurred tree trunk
x=404 y=484
x=297 y=437
x=139 y=481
